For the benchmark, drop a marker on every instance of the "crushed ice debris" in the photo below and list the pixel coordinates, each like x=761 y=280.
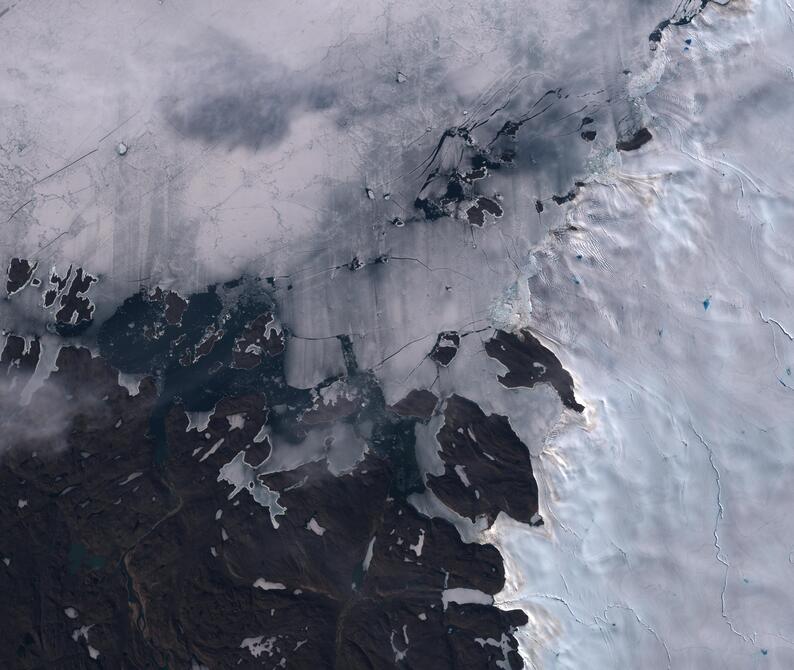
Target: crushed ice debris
x=268 y=586
x=513 y=310
x=330 y=395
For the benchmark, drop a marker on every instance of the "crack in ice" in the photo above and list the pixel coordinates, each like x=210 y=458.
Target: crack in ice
x=549 y=596
x=770 y=320
x=646 y=626
x=720 y=515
